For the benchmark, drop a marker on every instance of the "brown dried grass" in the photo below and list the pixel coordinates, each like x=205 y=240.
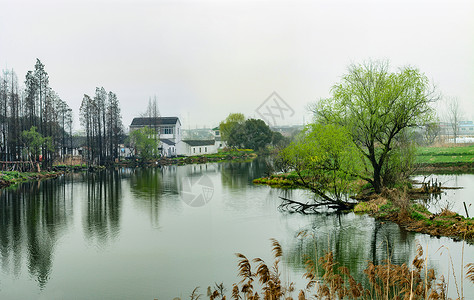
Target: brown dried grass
x=386 y=281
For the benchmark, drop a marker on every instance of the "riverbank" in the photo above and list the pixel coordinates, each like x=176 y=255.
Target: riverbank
x=397 y=206
x=9 y=178
x=221 y=156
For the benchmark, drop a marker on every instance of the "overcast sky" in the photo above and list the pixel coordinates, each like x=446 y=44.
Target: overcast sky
x=206 y=59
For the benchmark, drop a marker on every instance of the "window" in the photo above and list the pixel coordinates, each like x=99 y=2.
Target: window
x=194 y=150
x=167 y=130
x=205 y=149
x=199 y=149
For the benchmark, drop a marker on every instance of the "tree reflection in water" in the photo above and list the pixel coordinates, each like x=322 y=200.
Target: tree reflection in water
x=354 y=240
x=33 y=217
x=101 y=219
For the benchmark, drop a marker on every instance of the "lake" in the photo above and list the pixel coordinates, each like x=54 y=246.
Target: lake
x=157 y=233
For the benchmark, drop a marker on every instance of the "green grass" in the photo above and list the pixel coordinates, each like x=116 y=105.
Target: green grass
x=16 y=177
x=445 y=155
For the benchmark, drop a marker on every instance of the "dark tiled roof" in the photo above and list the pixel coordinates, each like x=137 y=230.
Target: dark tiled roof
x=166 y=141
x=154 y=121
x=194 y=143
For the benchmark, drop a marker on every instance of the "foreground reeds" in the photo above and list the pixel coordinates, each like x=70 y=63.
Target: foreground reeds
x=327 y=280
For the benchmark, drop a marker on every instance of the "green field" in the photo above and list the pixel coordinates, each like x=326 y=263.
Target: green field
x=443 y=155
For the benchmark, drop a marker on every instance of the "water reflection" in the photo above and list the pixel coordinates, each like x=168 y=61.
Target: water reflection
x=354 y=240
x=101 y=220
x=69 y=214
x=146 y=184
x=237 y=175
x=452 y=199
x=33 y=217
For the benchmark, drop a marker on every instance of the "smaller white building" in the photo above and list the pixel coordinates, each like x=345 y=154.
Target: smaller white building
x=197 y=147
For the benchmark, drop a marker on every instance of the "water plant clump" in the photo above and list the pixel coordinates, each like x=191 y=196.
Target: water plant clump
x=327 y=280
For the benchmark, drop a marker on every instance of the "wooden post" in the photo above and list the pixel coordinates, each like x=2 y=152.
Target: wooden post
x=465 y=208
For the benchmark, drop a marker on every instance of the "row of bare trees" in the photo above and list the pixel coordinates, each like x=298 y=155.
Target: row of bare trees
x=34 y=104
x=102 y=121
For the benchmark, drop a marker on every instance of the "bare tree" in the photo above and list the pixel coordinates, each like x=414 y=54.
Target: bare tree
x=454 y=115
x=153 y=112
x=36 y=104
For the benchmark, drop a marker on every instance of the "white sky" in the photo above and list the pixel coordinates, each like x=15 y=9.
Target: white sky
x=206 y=59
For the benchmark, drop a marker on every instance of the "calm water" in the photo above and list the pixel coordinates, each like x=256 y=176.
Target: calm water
x=158 y=233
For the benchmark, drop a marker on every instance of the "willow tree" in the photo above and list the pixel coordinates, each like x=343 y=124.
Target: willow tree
x=325 y=161
x=226 y=126
x=377 y=107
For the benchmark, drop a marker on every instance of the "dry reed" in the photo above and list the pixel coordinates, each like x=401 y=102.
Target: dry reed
x=385 y=281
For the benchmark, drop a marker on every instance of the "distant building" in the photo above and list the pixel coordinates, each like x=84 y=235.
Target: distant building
x=195 y=142
x=197 y=147
x=168 y=128
x=220 y=144
x=466 y=128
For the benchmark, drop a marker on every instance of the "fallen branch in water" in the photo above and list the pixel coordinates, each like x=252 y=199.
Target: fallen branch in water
x=300 y=207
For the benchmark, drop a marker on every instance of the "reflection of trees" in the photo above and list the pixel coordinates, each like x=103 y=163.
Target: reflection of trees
x=32 y=218
x=102 y=216
x=237 y=175
x=354 y=241
x=146 y=185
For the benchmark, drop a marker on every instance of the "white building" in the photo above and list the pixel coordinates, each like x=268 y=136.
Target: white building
x=220 y=144
x=169 y=129
x=171 y=143
x=197 y=147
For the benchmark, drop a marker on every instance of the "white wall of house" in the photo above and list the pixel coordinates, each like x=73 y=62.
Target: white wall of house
x=171 y=132
x=191 y=150
x=220 y=144
x=168 y=150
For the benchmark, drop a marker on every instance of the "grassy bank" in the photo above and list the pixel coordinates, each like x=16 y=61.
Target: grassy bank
x=284 y=180
x=8 y=178
x=397 y=206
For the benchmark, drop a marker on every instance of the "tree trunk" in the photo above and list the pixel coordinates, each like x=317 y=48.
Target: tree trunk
x=377 y=184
